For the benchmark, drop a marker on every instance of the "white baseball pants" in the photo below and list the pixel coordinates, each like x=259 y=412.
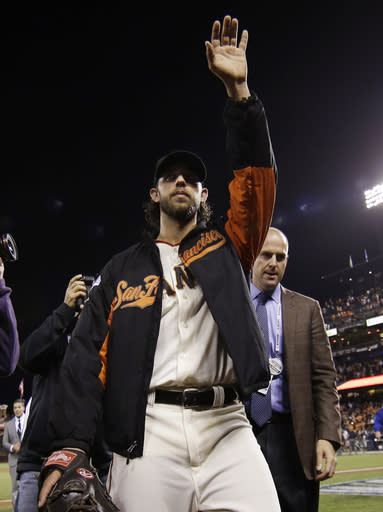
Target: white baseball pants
x=195 y=460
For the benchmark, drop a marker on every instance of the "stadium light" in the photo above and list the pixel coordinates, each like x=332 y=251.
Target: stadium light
x=374 y=196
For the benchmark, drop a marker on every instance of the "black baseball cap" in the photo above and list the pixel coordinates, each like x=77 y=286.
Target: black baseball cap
x=192 y=160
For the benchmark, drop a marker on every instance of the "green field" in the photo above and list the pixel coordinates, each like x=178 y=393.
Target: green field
x=354 y=503
x=328 y=502
x=5 y=488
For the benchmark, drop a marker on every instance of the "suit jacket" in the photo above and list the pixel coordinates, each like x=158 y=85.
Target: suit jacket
x=311 y=377
x=11 y=437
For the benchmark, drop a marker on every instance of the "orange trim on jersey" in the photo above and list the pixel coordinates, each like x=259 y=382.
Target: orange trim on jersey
x=104 y=357
x=165 y=242
x=103 y=353
x=187 y=261
x=208 y=241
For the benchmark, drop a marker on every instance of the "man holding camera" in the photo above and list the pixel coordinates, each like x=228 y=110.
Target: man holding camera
x=41 y=354
x=9 y=339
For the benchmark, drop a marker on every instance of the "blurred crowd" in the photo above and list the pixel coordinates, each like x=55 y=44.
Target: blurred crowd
x=347 y=370
x=357 y=426
x=353 y=309
x=357 y=415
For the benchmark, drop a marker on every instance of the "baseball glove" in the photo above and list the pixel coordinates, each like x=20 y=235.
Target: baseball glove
x=79 y=487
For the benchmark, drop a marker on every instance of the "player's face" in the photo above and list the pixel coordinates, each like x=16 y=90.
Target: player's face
x=270 y=265
x=179 y=193
x=18 y=409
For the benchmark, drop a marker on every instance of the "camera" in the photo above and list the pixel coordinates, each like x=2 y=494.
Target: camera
x=88 y=280
x=8 y=248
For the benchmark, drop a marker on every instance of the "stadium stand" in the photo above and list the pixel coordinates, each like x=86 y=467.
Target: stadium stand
x=354 y=322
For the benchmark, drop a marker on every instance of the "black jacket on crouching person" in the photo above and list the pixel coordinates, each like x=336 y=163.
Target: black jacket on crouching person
x=108 y=368
x=41 y=354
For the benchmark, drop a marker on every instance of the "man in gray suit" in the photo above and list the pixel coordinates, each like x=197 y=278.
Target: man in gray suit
x=299 y=432
x=13 y=434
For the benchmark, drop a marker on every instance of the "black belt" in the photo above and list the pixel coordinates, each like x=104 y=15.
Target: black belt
x=193 y=397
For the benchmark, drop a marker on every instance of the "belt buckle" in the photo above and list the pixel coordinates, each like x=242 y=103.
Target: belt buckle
x=185 y=400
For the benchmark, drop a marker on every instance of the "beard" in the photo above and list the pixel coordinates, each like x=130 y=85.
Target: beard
x=179 y=212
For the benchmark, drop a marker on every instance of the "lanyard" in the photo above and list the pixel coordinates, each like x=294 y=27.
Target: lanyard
x=275 y=361
x=278 y=331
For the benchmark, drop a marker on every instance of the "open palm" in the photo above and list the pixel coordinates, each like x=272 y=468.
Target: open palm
x=226 y=59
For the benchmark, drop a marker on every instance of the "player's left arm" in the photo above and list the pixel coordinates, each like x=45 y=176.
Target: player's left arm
x=325 y=398
x=252 y=191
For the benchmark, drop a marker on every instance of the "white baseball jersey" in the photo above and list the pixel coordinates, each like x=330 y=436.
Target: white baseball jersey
x=190 y=352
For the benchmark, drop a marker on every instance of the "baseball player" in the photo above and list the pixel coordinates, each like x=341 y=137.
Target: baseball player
x=168 y=342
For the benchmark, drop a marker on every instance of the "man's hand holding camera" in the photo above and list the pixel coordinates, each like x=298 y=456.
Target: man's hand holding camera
x=77 y=289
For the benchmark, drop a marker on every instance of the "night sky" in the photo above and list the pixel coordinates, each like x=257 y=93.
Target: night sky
x=92 y=97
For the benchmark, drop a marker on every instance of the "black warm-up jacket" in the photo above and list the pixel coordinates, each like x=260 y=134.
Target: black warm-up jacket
x=41 y=355
x=108 y=366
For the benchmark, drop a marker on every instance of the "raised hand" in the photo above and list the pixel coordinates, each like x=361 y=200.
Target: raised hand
x=227 y=59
